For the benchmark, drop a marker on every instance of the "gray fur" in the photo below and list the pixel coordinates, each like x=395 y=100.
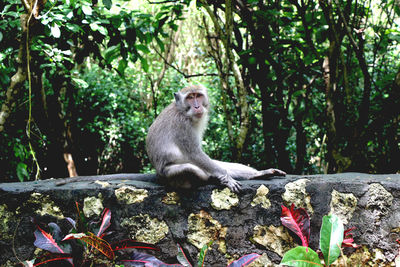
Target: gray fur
x=174 y=147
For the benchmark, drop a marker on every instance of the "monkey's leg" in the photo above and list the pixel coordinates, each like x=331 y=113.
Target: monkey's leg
x=238 y=171
x=243 y=172
x=184 y=175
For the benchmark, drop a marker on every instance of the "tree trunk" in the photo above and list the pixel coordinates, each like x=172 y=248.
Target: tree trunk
x=18 y=78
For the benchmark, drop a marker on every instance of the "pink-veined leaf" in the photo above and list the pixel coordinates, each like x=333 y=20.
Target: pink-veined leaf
x=182 y=257
x=244 y=260
x=147 y=261
x=105 y=222
x=348 y=239
x=46 y=241
x=298 y=221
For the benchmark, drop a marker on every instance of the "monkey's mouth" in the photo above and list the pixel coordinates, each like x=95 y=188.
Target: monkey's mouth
x=198 y=115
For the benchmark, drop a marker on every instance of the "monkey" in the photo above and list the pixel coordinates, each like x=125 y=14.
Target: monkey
x=174 y=140
x=173 y=145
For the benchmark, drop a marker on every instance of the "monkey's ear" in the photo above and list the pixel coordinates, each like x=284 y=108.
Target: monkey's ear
x=176 y=95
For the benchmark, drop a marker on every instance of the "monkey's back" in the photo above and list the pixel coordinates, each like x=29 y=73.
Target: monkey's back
x=161 y=138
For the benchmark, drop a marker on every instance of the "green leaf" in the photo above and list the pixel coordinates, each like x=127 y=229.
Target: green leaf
x=111 y=53
x=81 y=83
x=1 y=36
x=55 y=31
x=122 y=66
x=331 y=237
x=301 y=257
x=160 y=44
x=107 y=4
x=145 y=64
x=202 y=254
x=22 y=172
x=142 y=48
x=87 y=10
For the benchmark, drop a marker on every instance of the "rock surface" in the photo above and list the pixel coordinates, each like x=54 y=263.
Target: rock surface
x=239 y=224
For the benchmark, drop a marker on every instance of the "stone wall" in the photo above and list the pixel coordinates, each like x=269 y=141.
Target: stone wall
x=239 y=223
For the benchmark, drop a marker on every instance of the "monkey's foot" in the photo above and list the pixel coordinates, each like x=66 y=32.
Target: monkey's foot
x=229 y=182
x=265 y=174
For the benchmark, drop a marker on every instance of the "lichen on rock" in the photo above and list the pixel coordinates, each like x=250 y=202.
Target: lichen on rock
x=130 y=194
x=379 y=200
x=276 y=239
x=143 y=228
x=6 y=217
x=172 y=198
x=46 y=205
x=102 y=183
x=295 y=193
x=93 y=206
x=223 y=199
x=343 y=205
x=261 y=198
x=202 y=229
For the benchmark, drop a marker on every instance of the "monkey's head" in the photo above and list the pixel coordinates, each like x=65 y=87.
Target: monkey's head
x=192 y=101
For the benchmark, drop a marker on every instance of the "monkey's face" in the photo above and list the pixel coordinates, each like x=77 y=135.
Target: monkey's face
x=193 y=104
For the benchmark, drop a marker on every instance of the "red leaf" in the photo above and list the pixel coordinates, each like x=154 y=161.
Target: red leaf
x=54 y=257
x=348 y=239
x=105 y=223
x=129 y=243
x=298 y=221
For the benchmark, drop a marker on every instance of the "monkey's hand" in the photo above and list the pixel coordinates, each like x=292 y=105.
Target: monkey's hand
x=265 y=174
x=229 y=182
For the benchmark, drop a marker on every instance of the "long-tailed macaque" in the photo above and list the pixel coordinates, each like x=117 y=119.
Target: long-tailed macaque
x=174 y=147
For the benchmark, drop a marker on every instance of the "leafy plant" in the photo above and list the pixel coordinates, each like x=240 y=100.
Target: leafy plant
x=142 y=259
x=332 y=238
x=80 y=244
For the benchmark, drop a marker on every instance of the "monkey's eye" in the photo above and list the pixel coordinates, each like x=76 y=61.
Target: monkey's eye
x=190 y=97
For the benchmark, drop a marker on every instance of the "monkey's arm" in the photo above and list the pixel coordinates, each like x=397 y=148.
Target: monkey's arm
x=266 y=174
x=109 y=177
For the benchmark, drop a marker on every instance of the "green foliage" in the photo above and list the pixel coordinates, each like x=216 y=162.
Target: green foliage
x=331 y=238
x=301 y=257
x=95 y=68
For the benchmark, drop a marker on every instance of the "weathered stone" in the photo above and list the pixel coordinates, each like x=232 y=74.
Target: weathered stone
x=6 y=218
x=370 y=203
x=92 y=206
x=343 y=205
x=203 y=229
x=46 y=205
x=273 y=238
x=296 y=194
x=261 y=197
x=380 y=200
x=129 y=195
x=172 y=198
x=224 y=199
x=145 y=229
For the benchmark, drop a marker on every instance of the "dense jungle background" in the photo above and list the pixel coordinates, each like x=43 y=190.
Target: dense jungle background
x=302 y=85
